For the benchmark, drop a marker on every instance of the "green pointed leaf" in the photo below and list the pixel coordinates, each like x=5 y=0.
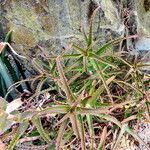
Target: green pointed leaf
x=37 y=122
x=98 y=70
x=91 y=130
x=65 y=87
x=60 y=134
x=56 y=109
x=81 y=132
x=74 y=123
x=8 y=36
x=5 y=74
x=108 y=45
x=7 y=39
x=81 y=50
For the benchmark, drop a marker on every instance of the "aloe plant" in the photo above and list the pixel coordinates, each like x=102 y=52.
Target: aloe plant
x=10 y=68
x=90 y=90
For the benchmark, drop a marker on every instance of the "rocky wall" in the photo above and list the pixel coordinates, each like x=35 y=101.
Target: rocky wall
x=53 y=23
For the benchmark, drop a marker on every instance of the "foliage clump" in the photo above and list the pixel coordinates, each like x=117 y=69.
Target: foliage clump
x=84 y=98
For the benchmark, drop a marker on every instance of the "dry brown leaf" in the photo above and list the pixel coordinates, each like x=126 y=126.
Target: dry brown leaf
x=14 y=105
x=133 y=117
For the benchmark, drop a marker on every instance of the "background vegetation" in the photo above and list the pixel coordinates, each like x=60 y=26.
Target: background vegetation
x=84 y=98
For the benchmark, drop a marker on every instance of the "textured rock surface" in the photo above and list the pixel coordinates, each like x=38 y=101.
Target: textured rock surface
x=143 y=28
x=143 y=17
x=52 y=23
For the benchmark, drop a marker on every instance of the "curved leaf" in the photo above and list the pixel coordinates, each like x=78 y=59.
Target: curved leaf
x=37 y=122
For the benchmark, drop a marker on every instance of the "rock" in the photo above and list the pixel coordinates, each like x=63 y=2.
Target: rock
x=45 y=21
x=53 y=23
x=142 y=8
x=143 y=15
x=143 y=44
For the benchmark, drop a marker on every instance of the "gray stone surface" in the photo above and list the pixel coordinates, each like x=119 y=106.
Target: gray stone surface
x=54 y=23
x=143 y=17
x=143 y=44
x=50 y=22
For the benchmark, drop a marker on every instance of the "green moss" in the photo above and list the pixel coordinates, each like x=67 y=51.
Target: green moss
x=25 y=16
x=23 y=36
x=34 y=16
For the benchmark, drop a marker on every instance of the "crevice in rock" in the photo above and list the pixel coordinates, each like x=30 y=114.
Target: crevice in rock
x=147 y=5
